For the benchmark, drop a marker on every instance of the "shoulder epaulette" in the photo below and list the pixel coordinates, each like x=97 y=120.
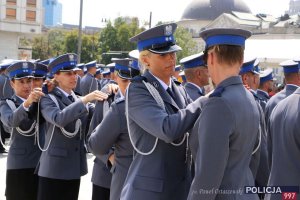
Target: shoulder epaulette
x=139 y=79
x=119 y=100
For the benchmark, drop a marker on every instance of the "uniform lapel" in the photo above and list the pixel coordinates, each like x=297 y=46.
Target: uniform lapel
x=61 y=97
x=163 y=93
x=180 y=100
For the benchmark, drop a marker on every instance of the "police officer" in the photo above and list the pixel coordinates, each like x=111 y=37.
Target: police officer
x=196 y=75
x=292 y=80
x=177 y=71
x=259 y=164
x=266 y=85
x=229 y=123
x=19 y=114
x=6 y=91
x=88 y=82
x=250 y=75
x=159 y=117
x=39 y=74
x=101 y=142
x=101 y=176
x=79 y=72
x=63 y=160
x=285 y=134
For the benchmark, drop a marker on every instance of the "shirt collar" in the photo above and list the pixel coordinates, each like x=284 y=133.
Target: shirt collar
x=163 y=84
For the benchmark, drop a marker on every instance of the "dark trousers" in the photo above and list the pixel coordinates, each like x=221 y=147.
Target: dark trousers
x=57 y=189
x=100 y=193
x=3 y=134
x=21 y=184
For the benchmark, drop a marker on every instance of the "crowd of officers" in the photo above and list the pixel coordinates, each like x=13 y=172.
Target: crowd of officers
x=155 y=132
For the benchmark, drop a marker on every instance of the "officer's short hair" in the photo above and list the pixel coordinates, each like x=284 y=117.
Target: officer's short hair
x=228 y=54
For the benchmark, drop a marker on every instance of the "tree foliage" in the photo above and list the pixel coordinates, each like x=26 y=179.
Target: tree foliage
x=111 y=41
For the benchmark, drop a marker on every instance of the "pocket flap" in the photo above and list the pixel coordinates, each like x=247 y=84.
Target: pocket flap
x=148 y=184
x=58 y=152
x=17 y=151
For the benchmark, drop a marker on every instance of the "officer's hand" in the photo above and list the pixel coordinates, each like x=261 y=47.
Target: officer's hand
x=50 y=85
x=34 y=96
x=112 y=88
x=96 y=95
x=112 y=159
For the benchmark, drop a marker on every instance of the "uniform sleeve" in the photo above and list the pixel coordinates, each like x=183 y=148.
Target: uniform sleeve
x=216 y=124
x=12 y=118
x=106 y=133
x=59 y=117
x=144 y=111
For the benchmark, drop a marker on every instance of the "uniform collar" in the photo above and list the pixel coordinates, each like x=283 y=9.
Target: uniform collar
x=196 y=86
x=163 y=84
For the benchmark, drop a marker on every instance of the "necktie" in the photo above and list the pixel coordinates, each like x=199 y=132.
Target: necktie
x=71 y=98
x=170 y=92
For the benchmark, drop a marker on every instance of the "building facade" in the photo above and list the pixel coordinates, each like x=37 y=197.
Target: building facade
x=52 y=13
x=20 y=21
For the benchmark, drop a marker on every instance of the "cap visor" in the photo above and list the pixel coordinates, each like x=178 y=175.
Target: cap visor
x=124 y=76
x=169 y=49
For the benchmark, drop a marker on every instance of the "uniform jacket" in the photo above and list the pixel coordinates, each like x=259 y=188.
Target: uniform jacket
x=287 y=91
x=112 y=132
x=193 y=91
x=23 y=152
x=88 y=84
x=77 y=89
x=66 y=157
x=6 y=90
x=227 y=135
x=285 y=134
x=101 y=175
x=162 y=174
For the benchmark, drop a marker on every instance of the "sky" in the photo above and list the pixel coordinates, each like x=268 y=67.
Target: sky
x=162 y=10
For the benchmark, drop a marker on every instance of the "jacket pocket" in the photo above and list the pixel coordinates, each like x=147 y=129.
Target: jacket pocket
x=17 y=151
x=59 y=152
x=148 y=184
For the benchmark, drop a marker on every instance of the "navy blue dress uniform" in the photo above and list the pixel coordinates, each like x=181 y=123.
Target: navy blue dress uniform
x=227 y=132
x=159 y=169
x=24 y=154
x=77 y=89
x=289 y=66
x=285 y=134
x=105 y=136
x=63 y=160
x=88 y=82
x=193 y=61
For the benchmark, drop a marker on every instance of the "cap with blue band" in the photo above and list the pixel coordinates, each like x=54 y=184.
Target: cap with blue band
x=193 y=61
x=290 y=66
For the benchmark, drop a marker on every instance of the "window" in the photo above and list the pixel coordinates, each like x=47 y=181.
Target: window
x=11 y=13
x=11 y=2
x=31 y=3
x=30 y=15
